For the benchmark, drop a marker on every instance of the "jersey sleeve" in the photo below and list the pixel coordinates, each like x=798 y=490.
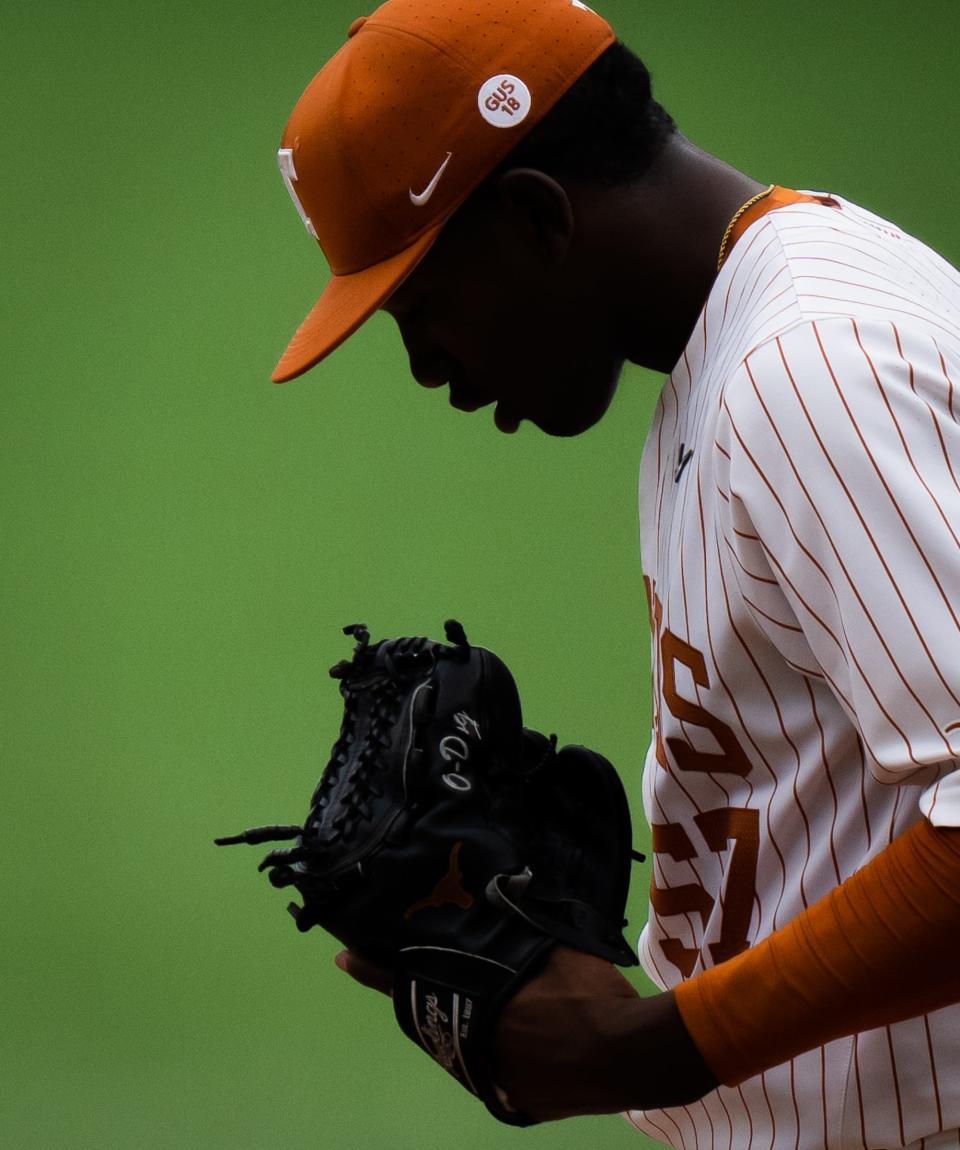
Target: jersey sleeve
x=843 y=448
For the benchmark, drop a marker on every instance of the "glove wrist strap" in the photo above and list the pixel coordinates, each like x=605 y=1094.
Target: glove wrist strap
x=448 y=1002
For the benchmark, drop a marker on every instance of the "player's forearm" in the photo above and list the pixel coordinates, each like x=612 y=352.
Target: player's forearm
x=880 y=948
x=580 y=1040
x=651 y=1060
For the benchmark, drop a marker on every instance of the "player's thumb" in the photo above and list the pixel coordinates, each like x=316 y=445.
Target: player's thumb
x=365 y=972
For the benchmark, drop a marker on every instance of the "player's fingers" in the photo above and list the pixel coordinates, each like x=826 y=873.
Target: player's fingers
x=365 y=972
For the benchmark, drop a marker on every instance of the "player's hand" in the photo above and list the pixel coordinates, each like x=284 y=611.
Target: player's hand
x=578 y=1039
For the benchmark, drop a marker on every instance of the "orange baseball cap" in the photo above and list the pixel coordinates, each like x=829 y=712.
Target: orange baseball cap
x=420 y=104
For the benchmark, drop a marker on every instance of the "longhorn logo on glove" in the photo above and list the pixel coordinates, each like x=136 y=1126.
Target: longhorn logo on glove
x=448 y=889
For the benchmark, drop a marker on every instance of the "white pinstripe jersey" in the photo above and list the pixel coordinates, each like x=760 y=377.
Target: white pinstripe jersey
x=800 y=536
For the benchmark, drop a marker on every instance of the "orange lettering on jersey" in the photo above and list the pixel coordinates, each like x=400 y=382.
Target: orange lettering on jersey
x=741 y=826
x=671 y=839
x=720 y=827
x=448 y=889
x=732 y=760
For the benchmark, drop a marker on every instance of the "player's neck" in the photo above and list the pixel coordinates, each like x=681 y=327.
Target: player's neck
x=668 y=231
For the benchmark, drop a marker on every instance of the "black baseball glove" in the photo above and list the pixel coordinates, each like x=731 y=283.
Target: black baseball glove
x=449 y=843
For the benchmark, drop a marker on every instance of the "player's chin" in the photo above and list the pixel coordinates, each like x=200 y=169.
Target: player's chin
x=561 y=429
x=575 y=410
x=567 y=423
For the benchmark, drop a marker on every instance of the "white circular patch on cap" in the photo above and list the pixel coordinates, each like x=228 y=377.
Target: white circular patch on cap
x=504 y=101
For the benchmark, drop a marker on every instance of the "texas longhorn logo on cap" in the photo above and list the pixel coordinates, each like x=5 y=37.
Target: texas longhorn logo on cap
x=420 y=104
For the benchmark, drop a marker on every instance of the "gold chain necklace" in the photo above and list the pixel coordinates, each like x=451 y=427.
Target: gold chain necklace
x=736 y=216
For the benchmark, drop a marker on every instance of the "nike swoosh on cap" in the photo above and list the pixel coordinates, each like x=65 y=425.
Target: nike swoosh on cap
x=424 y=196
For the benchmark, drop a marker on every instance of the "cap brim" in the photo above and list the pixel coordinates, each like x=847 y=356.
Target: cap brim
x=344 y=305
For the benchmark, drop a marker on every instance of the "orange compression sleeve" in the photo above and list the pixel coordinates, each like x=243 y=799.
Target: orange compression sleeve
x=879 y=948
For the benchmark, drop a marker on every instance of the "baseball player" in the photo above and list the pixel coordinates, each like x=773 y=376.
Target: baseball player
x=498 y=177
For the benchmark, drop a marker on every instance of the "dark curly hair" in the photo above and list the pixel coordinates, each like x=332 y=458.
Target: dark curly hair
x=607 y=128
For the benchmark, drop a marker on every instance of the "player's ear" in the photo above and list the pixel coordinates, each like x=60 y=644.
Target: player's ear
x=537 y=210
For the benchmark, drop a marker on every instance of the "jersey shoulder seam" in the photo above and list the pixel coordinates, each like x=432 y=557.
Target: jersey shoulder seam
x=769 y=223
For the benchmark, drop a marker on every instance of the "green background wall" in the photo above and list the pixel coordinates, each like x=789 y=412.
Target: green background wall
x=182 y=541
